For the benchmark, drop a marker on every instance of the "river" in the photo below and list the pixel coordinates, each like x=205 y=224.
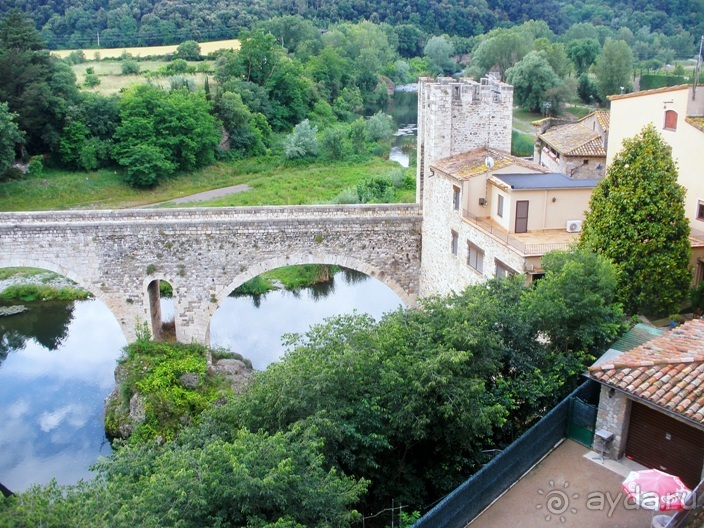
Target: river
x=57 y=359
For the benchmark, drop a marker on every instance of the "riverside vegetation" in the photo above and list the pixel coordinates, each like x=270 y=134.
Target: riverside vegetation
x=358 y=412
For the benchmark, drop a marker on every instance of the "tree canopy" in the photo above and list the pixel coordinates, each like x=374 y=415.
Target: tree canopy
x=636 y=219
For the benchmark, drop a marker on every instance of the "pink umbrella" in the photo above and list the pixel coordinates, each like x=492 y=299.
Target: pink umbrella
x=656 y=490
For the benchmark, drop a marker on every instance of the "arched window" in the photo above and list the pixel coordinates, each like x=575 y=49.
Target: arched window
x=670 y=120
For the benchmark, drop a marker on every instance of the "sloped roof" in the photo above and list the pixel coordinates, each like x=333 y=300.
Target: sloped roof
x=602 y=116
x=696 y=121
x=574 y=139
x=667 y=371
x=472 y=163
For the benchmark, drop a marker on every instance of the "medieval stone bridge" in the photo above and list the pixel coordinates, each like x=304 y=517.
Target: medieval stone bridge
x=119 y=256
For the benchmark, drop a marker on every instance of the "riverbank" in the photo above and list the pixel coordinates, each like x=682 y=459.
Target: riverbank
x=32 y=284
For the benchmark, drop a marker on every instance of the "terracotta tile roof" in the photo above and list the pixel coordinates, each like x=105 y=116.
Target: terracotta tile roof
x=696 y=121
x=667 y=371
x=468 y=164
x=574 y=140
x=603 y=117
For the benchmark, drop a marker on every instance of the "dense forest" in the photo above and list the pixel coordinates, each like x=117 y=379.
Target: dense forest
x=77 y=23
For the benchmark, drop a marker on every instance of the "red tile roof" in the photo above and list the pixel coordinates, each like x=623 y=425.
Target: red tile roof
x=667 y=371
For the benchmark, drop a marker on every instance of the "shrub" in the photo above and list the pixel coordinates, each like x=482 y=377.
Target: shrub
x=130 y=67
x=178 y=82
x=380 y=127
x=35 y=168
x=13 y=173
x=377 y=189
x=302 y=142
x=332 y=142
x=91 y=80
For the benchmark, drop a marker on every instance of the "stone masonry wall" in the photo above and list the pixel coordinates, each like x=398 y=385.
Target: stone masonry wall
x=614 y=416
x=206 y=253
x=443 y=272
x=455 y=117
x=459 y=116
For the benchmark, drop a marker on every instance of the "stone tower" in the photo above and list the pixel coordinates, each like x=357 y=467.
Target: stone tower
x=456 y=116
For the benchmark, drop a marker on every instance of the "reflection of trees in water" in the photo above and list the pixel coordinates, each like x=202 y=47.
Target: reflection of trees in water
x=47 y=323
x=353 y=276
x=322 y=289
x=316 y=291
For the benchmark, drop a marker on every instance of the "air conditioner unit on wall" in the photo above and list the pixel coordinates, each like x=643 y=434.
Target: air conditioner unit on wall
x=574 y=226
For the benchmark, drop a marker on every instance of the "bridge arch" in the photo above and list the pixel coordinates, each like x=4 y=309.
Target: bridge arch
x=69 y=273
x=299 y=259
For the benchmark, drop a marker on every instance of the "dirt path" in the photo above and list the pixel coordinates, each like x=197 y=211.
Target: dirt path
x=202 y=196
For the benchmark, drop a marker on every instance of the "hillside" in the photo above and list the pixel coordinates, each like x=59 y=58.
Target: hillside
x=81 y=23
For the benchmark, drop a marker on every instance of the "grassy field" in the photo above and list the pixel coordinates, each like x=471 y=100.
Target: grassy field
x=272 y=182
x=112 y=81
x=114 y=53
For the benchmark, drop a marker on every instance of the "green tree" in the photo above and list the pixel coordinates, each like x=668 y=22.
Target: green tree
x=532 y=79
x=237 y=120
x=38 y=87
x=302 y=141
x=502 y=49
x=10 y=137
x=438 y=52
x=188 y=50
x=583 y=53
x=245 y=479
x=613 y=69
x=636 y=219
x=257 y=57
x=162 y=132
x=574 y=305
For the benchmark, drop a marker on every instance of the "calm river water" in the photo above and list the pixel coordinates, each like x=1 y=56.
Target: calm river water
x=58 y=361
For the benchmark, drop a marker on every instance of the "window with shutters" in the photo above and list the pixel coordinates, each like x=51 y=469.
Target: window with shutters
x=455 y=242
x=475 y=257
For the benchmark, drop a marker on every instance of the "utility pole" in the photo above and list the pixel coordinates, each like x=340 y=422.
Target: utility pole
x=696 y=70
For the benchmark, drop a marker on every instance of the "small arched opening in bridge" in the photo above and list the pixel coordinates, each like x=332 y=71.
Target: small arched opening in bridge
x=161 y=310
x=252 y=324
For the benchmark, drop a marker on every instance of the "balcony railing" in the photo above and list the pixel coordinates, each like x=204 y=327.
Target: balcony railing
x=501 y=234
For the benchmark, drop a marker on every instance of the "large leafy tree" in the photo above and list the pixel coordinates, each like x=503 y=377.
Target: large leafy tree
x=533 y=81
x=583 y=52
x=636 y=218
x=36 y=86
x=164 y=132
x=248 y=479
x=613 y=68
x=501 y=49
x=10 y=137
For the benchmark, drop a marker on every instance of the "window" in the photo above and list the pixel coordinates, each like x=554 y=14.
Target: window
x=455 y=198
x=455 y=239
x=700 y=210
x=475 y=257
x=670 y=120
x=500 y=206
x=502 y=270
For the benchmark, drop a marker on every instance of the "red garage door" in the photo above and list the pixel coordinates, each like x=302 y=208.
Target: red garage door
x=658 y=441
